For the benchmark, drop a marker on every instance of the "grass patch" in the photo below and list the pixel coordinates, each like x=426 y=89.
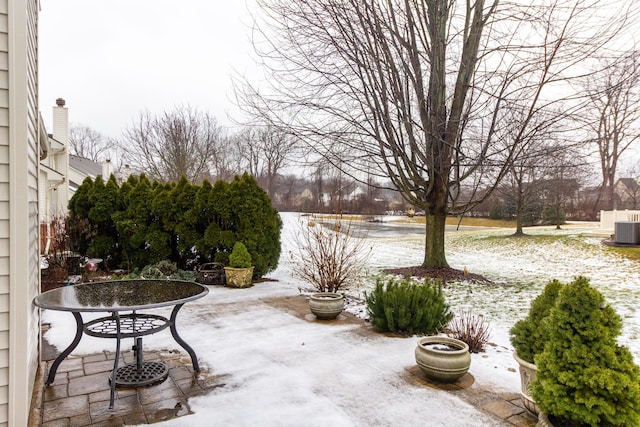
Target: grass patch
x=629 y=253
x=541 y=239
x=466 y=221
x=482 y=222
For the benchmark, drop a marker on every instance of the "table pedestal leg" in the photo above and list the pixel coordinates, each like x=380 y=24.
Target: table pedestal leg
x=68 y=350
x=179 y=340
x=137 y=350
x=115 y=362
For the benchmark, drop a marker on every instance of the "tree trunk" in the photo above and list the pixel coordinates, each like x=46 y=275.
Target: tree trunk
x=434 y=255
x=519 y=230
x=519 y=211
x=436 y=217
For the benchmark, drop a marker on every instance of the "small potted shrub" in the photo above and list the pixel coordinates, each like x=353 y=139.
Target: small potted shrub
x=528 y=337
x=409 y=307
x=239 y=272
x=584 y=377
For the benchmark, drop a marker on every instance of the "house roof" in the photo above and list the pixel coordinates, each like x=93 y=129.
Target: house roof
x=85 y=166
x=630 y=183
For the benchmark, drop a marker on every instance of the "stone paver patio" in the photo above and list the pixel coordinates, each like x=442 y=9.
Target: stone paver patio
x=80 y=393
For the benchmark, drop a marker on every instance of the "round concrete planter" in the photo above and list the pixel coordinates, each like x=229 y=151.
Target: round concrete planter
x=443 y=359
x=528 y=373
x=238 y=277
x=543 y=420
x=326 y=305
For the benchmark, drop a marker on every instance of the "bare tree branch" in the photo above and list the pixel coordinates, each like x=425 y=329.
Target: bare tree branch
x=184 y=141
x=424 y=90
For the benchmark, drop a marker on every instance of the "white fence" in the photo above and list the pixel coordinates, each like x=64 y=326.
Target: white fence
x=609 y=218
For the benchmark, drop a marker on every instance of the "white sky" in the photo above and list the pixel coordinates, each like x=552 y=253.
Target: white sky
x=111 y=59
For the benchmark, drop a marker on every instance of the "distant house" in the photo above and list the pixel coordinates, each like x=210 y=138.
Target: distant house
x=627 y=193
x=355 y=194
x=80 y=169
x=304 y=198
x=62 y=173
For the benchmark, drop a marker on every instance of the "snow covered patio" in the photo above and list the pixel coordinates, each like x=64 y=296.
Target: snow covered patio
x=267 y=361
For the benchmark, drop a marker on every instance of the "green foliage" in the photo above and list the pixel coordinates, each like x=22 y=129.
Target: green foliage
x=552 y=215
x=527 y=335
x=255 y=223
x=408 y=307
x=222 y=257
x=161 y=270
x=496 y=211
x=80 y=233
x=240 y=256
x=142 y=223
x=584 y=376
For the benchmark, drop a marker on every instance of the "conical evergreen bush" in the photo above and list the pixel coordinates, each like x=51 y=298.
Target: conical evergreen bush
x=584 y=376
x=528 y=335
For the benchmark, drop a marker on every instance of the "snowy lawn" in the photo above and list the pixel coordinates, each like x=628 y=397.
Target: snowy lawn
x=282 y=370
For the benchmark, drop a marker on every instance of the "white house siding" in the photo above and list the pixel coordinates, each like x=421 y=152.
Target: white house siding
x=19 y=232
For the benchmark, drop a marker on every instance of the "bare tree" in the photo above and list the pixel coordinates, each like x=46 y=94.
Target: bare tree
x=561 y=185
x=266 y=151
x=613 y=117
x=522 y=184
x=422 y=87
x=89 y=143
x=184 y=141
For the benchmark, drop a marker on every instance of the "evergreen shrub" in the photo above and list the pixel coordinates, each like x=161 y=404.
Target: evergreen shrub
x=408 y=307
x=584 y=376
x=161 y=270
x=553 y=216
x=528 y=335
x=240 y=256
x=141 y=222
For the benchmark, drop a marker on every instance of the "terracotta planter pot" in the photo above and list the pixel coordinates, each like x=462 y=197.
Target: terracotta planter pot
x=238 y=277
x=326 y=305
x=528 y=374
x=442 y=358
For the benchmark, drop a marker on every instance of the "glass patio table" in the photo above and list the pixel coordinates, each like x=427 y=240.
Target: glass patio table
x=123 y=300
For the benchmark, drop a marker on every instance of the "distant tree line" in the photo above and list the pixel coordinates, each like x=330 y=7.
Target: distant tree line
x=142 y=222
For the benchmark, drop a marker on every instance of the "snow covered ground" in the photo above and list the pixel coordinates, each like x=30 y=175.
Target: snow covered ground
x=280 y=370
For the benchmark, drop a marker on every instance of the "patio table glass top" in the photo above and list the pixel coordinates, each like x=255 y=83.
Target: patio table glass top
x=120 y=295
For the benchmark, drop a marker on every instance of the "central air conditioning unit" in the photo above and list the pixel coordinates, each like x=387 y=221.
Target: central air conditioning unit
x=627 y=232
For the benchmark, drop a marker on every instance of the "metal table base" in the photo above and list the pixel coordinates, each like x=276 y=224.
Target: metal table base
x=122 y=299
x=146 y=374
x=128 y=326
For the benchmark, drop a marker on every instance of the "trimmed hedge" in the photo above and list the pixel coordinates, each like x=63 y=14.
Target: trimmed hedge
x=142 y=222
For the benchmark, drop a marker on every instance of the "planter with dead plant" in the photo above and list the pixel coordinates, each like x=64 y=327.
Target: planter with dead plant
x=331 y=257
